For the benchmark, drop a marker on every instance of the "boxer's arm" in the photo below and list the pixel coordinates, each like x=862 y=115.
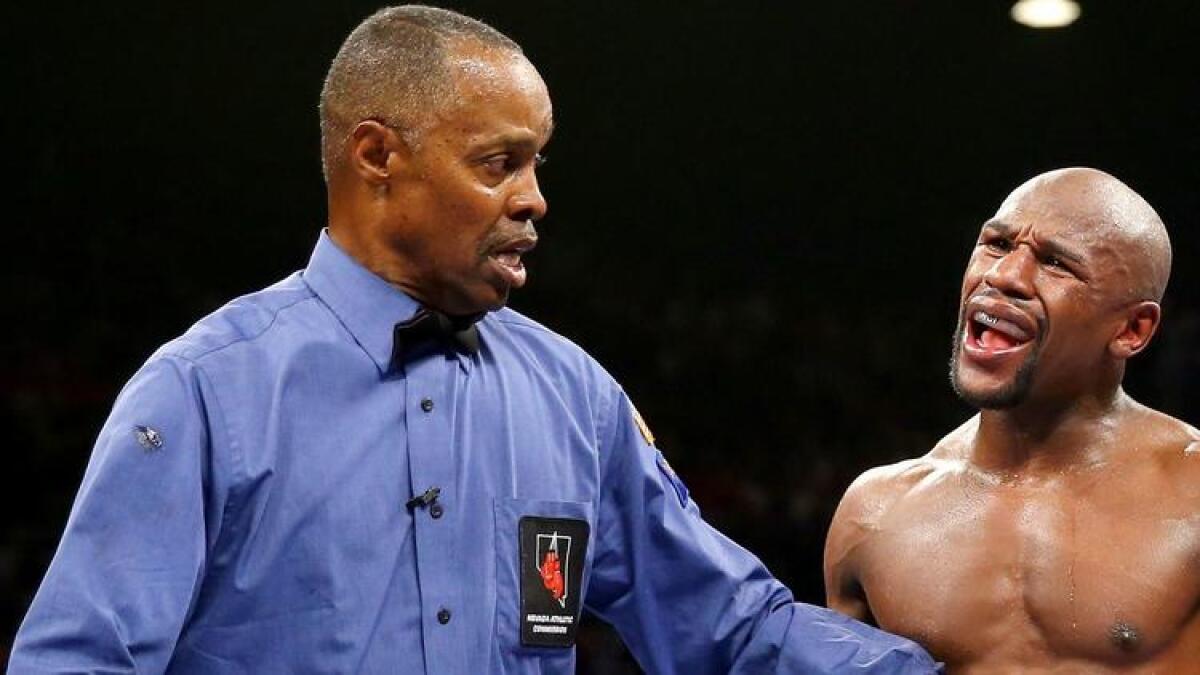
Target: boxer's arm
x=848 y=531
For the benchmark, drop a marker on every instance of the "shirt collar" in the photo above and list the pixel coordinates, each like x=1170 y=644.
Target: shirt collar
x=367 y=306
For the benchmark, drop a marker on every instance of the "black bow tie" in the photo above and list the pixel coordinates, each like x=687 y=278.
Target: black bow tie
x=429 y=326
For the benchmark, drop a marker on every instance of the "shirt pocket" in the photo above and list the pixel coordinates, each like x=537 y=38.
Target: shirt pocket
x=543 y=549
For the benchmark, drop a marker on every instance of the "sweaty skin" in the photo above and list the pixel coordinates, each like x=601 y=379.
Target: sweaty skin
x=1058 y=531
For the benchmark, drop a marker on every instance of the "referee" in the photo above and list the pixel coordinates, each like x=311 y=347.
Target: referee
x=373 y=466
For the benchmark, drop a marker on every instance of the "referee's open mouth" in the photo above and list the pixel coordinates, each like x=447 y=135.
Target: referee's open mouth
x=506 y=258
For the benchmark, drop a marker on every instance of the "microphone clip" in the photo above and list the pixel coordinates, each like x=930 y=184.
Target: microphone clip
x=425 y=499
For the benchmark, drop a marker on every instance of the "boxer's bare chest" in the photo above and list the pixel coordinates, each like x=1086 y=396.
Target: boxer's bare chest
x=1101 y=568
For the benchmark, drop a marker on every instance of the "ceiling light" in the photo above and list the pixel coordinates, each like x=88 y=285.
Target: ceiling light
x=1045 y=13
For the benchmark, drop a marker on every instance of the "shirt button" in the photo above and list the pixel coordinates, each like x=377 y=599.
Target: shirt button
x=436 y=511
x=443 y=616
x=426 y=404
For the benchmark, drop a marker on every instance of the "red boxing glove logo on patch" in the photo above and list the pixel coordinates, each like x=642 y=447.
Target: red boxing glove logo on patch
x=552 y=577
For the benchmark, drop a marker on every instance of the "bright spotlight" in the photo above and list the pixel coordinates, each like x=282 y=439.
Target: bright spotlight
x=1045 y=13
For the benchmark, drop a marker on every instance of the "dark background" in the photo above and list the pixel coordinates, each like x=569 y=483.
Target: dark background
x=759 y=217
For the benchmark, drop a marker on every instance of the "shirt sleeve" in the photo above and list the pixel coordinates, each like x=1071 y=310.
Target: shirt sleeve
x=686 y=599
x=128 y=566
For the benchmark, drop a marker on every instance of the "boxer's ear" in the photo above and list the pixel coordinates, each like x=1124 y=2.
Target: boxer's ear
x=1141 y=322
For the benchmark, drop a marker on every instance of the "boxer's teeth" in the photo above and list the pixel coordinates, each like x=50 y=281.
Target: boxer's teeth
x=985 y=318
x=999 y=325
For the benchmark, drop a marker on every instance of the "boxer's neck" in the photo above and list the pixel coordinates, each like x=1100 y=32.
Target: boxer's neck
x=1042 y=438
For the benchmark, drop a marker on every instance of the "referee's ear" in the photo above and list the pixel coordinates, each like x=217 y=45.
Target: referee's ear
x=377 y=152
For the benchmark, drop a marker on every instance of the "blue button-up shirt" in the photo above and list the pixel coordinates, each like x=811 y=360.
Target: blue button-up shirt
x=244 y=510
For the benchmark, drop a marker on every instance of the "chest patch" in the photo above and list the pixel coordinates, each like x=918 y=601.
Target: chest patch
x=552 y=554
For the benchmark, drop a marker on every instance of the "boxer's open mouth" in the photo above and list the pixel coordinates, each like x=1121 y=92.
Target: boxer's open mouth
x=994 y=334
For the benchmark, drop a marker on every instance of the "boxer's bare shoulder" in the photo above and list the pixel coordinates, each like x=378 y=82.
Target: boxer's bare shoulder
x=872 y=494
x=1172 y=448
x=867 y=503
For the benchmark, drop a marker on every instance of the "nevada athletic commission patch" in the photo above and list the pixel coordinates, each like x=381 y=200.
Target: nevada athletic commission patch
x=552 y=556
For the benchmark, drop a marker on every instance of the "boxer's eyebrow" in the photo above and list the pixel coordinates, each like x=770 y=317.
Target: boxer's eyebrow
x=1055 y=248
x=1045 y=246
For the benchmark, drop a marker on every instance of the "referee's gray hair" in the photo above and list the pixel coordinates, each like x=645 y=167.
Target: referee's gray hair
x=394 y=68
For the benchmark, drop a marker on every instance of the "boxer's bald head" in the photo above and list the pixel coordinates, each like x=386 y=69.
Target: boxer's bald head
x=1097 y=201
